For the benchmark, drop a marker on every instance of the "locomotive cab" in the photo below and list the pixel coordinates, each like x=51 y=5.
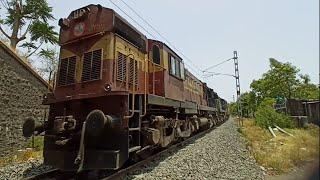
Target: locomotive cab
x=101 y=62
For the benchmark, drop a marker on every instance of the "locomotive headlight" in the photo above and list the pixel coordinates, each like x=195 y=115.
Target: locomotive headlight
x=107 y=87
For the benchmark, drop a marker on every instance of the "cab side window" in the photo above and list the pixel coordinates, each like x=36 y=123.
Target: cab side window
x=182 y=71
x=172 y=65
x=156 y=54
x=176 y=67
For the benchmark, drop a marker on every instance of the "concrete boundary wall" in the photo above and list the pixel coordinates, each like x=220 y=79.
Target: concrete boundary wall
x=21 y=92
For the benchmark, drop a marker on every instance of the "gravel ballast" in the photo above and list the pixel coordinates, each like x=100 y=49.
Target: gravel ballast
x=23 y=170
x=220 y=154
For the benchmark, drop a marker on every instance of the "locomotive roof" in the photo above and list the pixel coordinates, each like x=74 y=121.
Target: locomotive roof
x=167 y=47
x=113 y=11
x=193 y=76
x=93 y=20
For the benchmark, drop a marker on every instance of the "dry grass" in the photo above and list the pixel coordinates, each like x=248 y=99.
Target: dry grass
x=282 y=153
x=19 y=157
x=25 y=155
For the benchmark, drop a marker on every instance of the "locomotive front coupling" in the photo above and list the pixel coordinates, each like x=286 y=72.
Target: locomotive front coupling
x=97 y=121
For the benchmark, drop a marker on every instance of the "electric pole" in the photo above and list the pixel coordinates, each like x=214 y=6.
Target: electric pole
x=236 y=75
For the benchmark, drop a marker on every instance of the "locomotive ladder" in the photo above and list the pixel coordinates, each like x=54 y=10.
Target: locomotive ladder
x=135 y=112
x=138 y=108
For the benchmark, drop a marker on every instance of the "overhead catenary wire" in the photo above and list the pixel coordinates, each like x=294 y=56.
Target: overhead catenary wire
x=197 y=70
x=164 y=38
x=216 y=65
x=210 y=74
x=132 y=19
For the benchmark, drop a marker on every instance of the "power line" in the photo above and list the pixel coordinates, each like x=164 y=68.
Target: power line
x=216 y=74
x=155 y=30
x=211 y=67
x=132 y=19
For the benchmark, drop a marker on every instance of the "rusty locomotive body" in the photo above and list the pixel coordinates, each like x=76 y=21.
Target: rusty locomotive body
x=118 y=95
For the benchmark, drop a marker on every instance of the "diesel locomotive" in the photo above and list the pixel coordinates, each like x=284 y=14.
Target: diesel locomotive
x=118 y=95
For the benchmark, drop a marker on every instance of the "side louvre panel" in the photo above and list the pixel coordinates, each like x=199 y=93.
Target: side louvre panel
x=91 y=66
x=133 y=73
x=67 y=71
x=122 y=67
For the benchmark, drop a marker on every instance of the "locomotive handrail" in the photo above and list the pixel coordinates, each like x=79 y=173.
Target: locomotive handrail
x=153 y=78
x=145 y=88
x=133 y=87
x=153 y=74
x=146 y=68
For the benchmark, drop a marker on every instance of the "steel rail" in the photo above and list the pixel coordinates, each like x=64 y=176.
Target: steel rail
x=123 y=172
x=120 y=174
x=49 y=173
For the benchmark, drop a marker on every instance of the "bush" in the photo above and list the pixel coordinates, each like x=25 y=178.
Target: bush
x=267 y=116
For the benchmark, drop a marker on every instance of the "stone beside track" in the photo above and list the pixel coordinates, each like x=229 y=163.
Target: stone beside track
x=220 y=154
x=23 y=170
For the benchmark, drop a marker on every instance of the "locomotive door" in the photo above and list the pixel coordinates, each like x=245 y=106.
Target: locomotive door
x=156 y=73
x=156 y=78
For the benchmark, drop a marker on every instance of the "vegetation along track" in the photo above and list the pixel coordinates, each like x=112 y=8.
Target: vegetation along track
x=120 y=174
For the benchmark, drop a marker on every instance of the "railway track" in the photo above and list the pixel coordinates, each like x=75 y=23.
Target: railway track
x=47 y=174
x=123 y=172
x=120 y=174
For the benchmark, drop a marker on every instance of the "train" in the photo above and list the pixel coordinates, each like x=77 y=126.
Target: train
x=118 y=96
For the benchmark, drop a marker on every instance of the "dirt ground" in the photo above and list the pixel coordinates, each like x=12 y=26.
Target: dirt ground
x=310 y=171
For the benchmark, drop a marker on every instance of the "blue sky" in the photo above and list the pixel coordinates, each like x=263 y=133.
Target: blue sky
x=208 y=31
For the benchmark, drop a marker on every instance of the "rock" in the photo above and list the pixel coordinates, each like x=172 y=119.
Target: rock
x=23 y=170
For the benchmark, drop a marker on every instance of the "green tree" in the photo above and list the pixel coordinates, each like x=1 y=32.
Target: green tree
x=49 y=59
x=232 y=108
x=248 y=104
x=279 y=80
x=28 y=17
x=305 y=89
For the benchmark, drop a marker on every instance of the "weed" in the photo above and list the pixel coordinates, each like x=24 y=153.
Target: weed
x=284 y=152
x=38 y=143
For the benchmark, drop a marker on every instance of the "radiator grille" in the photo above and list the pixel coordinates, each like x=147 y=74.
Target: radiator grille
x=91 y=65
x=122 y=67
x=131 y=75
x=67 y=71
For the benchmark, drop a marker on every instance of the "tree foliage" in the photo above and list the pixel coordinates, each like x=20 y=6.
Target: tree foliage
x=282 y=80
x=279 y=80
x=232 y=108
x=305 y=89
x=248 y=104
x=49 y=59
x=266 y=116
x=28 y=17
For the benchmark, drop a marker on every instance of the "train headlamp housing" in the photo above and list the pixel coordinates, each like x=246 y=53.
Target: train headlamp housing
x=107 y=87
x=64 y=23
